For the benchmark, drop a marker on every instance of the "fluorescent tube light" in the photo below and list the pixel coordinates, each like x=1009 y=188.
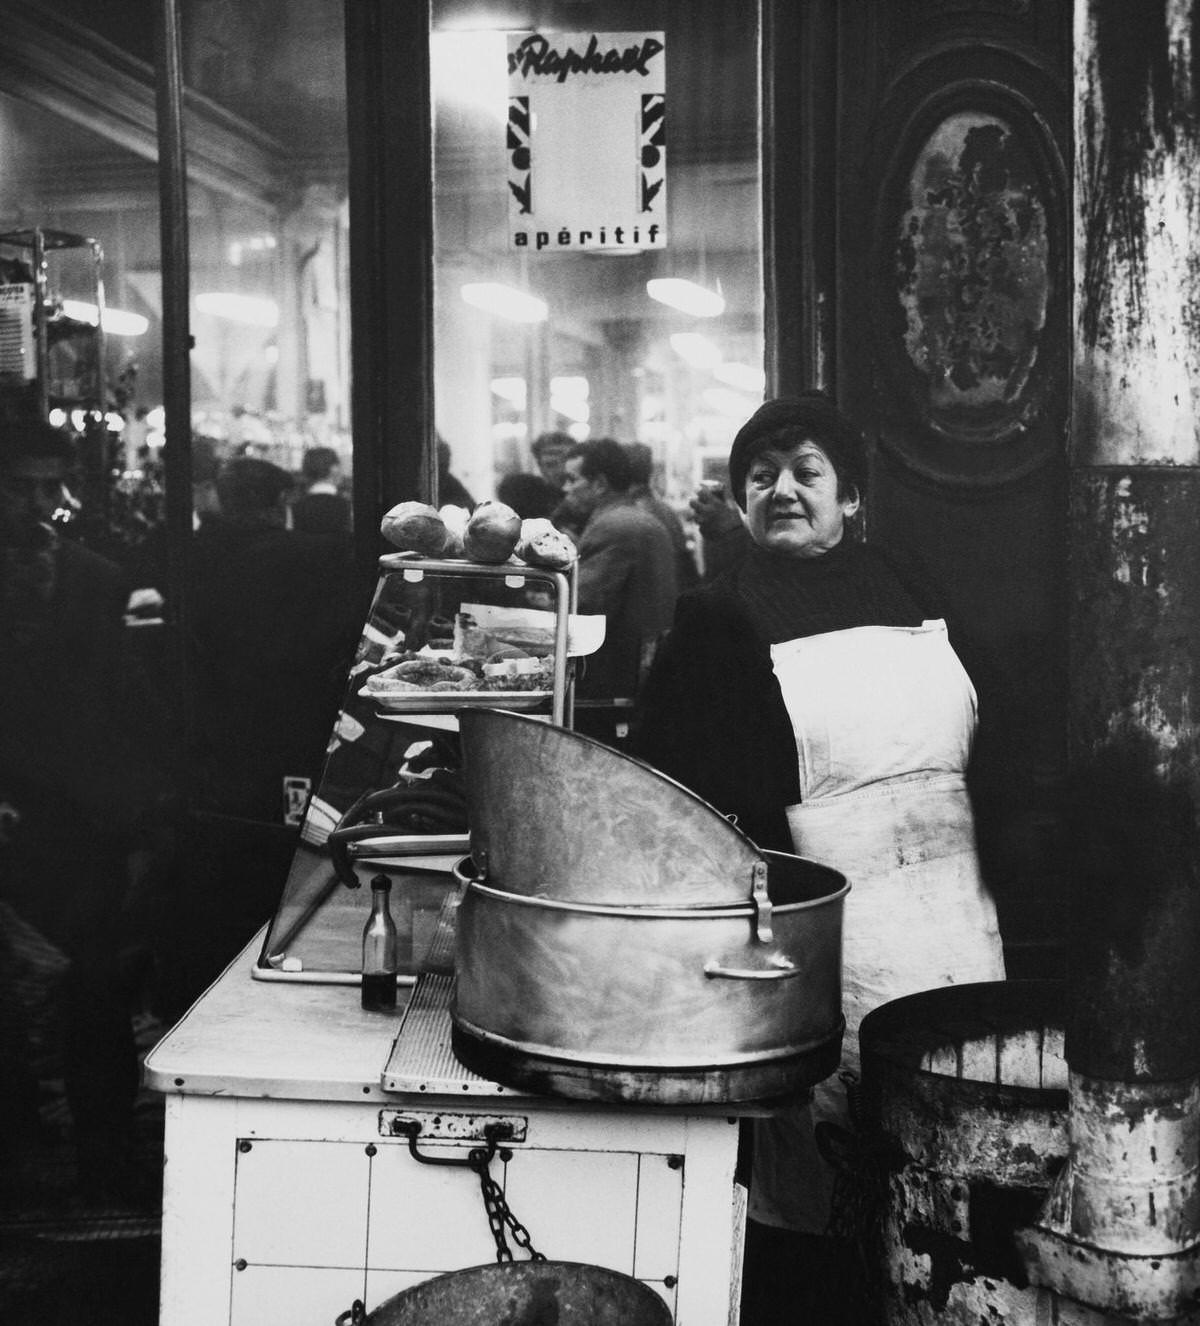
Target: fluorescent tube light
x=116 y=322
x=252 y=310
x=571 y=407
x=686 y=296
x=505 y=302
x=511 y=390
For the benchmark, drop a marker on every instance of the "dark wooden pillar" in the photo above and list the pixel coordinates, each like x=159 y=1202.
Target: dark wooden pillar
x=799 y=44
x=391 y=260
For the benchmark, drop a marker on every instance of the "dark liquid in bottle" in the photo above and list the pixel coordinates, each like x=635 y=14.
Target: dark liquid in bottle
x=378 y=992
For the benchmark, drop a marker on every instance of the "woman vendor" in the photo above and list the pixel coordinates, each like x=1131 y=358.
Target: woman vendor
x=813 y=695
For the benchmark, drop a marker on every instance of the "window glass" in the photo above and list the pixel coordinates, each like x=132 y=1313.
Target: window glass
x=271 y=615
x=265 y=140
x=597 y=356
x=78 y=227
x=268 y=227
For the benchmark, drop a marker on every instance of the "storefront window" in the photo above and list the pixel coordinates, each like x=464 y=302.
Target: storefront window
x=270 y=369
x=265 y=140
x=597 y=262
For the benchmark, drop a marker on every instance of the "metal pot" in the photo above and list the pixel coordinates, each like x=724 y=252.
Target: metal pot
x=554 y=814
x=533 y=1293
x=662 y=1004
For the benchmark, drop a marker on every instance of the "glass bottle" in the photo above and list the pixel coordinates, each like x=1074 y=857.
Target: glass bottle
x=379 y=951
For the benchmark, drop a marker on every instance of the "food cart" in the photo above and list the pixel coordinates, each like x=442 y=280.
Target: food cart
x=318 y=1155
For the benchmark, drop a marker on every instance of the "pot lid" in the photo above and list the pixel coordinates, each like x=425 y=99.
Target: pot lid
x=558 y=815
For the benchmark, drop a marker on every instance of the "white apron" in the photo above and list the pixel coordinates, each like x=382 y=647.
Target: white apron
x=883 y=717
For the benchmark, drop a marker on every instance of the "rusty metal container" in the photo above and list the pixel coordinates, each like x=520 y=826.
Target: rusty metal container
x=967 y=1089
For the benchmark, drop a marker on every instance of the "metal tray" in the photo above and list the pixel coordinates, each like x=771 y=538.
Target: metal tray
x=424 y=702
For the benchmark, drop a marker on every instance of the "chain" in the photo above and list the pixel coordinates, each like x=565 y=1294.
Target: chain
x=499 y=1214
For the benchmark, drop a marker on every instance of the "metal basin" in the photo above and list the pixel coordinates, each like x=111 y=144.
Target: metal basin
x=543 y=1293
x=654 y=1004
x=557 y=815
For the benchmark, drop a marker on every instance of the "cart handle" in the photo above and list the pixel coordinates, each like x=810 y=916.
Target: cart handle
x=783 y=970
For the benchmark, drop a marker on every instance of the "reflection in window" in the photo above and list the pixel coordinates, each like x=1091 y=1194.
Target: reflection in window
x=659 y=345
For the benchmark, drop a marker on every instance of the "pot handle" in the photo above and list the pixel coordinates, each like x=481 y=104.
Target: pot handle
x=782 y=970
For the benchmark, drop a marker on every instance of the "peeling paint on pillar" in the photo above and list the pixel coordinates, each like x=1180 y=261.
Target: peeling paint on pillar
x=1120 y=1231
x=1137 y=379
x=1135 y=541
x=1136 y=749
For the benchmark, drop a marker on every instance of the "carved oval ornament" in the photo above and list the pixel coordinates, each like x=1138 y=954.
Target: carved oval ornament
x=972 y=274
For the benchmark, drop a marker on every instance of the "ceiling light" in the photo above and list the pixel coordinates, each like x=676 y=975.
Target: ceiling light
x=252 y=310
x=696 y=349
x=253 y=244
x=470 y=69
x=742 y=376
x=570 y=407
x=511 y=390
x=686 y=296
x=505 y=302
x=116 y=322
x=574 y=387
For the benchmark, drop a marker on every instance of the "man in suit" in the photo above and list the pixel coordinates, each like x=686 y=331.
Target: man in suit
x=627 y=568
x=321 y=508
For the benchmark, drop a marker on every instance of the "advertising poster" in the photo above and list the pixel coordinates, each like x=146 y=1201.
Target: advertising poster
x=587 y=160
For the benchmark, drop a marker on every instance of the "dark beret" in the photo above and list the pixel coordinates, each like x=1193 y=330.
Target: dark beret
x=812 y=416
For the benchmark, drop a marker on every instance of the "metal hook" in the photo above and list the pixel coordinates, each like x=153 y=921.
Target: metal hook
x=493 y=1133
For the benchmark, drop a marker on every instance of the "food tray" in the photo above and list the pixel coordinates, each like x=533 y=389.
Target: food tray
x=422 y=702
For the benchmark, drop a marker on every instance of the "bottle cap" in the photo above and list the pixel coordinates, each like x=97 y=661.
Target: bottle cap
x=381 y=882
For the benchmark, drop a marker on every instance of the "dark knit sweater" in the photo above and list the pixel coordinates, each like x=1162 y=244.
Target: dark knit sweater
x=712 y=715
x=852 y=584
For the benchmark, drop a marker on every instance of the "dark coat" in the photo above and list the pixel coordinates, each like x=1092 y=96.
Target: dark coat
x=321 y=513
x=81 y=732
x=274 y=616
x=712 y=715
x=626 y=572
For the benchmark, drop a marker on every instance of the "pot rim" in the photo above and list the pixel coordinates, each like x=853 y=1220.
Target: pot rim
x=668 y=912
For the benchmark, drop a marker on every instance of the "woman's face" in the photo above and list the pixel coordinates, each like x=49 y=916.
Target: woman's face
x=792 y=502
